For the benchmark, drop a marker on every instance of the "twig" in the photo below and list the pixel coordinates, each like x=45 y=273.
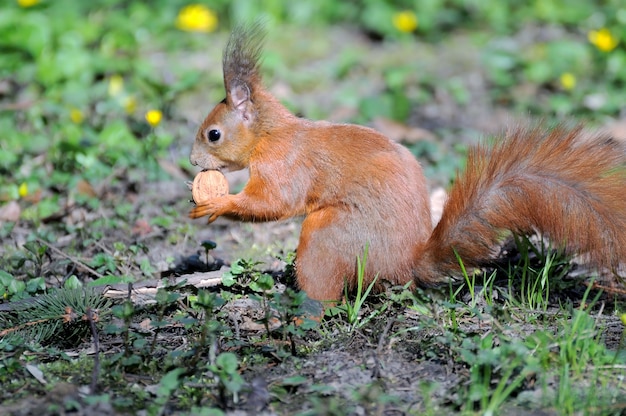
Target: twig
x=609 y=289
x=96 y=359
x=70 y=258
x=379 y=348
x=7 y=331
x=381 y=339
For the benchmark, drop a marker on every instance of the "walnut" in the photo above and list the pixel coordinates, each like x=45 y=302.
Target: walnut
x=207 y=185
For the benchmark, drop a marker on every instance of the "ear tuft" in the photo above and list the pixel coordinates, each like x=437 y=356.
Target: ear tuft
x=242 y=55
x=241 y=68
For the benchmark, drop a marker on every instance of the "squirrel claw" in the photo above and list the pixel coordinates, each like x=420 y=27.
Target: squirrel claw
x=198 y=212
x=202 y=211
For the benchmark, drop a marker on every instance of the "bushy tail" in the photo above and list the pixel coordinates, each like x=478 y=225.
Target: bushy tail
x=564 y=183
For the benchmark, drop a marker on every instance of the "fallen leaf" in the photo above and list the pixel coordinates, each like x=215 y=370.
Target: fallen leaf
x=84 y=188
x=10 y=212
x=146 y=324
x=34 y=197
x=142 y=228
x=399 y=132
x=617 y=129
x=36 y=372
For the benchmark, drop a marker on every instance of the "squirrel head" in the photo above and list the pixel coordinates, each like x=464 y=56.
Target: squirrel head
x=228 y=135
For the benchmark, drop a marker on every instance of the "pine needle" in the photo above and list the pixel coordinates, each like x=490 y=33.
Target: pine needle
x=58 y=317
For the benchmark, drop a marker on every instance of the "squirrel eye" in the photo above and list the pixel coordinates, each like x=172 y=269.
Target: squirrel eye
x=214 y=135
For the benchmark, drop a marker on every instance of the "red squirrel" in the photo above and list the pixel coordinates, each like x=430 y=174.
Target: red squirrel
x=356 y=188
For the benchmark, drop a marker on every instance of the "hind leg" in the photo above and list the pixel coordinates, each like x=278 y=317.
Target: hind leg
x=323 y=261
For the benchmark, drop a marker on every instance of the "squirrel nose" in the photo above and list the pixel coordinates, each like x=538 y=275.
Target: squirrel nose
x=193 y=161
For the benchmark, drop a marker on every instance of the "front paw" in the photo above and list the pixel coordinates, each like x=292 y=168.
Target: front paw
x=212 y=208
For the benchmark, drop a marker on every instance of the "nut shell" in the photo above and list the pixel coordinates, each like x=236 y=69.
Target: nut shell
x=207 y=185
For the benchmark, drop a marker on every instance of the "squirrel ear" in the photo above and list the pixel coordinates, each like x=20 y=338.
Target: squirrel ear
x=239 y=96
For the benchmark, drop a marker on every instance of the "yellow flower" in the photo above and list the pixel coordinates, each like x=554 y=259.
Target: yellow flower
x=27 y=3
x=22 y=191
x=602 y=39
x=405 y=21
x=153 y=117
x=116 y=85
x=623 y=318
x=568 y=81
x=130 y=104
x=76 y=116
x=196 y=18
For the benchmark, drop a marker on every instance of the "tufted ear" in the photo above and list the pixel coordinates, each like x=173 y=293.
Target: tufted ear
x=239 y=98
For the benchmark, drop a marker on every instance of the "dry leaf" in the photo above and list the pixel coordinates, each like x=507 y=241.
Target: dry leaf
x=10 y=212
x=84 y=188
x=617 y=129
x=142 y=227
x=399 y=132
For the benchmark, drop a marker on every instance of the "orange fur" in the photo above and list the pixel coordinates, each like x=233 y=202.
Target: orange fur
x=564 y=183
x=357 y=188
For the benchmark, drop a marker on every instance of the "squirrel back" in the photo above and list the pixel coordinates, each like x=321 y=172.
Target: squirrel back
x=360 y=191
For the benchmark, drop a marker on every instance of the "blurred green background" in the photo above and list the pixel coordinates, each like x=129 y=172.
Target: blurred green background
x=90 y=87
